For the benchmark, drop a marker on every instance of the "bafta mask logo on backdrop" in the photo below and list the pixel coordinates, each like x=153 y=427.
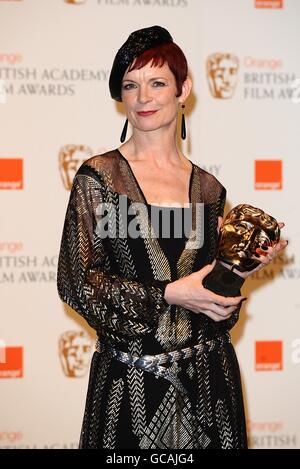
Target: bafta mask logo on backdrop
x=11 y=361
x=74 y=353
x=70 y=159
x=11 y=173
x=268 y=174
x=222 y=72
x=268 y=3
x=268 y=355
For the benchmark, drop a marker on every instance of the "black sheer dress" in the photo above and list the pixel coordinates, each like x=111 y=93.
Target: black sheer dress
x=190 y=396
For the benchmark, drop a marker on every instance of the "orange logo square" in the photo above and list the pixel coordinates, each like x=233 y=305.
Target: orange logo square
x=268 y=174
x=268 y=3
x=11 y=173
x=11 y=363
x=268 y=355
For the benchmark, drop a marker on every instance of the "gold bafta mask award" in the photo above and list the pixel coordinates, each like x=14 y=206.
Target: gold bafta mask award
x=245 y=228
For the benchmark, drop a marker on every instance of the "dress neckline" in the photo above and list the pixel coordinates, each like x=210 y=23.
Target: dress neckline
x=192 y=242
x=142 y=193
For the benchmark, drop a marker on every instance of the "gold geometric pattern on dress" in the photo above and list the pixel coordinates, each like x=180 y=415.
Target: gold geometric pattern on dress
x=190 y=371
x=226 y=367
x=186 y=260
x=204 y=399
x=96 y=403
x=136 y=387
x=175 y=368
x=223 y=424
x=159 y=262
x=111 y=304
x=172 y=334
x=172 y=425
x=112 y=413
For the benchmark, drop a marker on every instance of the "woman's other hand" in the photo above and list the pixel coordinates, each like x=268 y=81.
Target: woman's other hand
x=264 y=256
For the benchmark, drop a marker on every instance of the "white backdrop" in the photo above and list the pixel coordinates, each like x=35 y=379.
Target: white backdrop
x=55 y=108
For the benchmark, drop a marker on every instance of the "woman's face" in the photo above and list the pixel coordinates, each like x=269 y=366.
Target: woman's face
x=149 y=97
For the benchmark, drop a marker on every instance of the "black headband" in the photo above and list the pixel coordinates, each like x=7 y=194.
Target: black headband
x=137 y=43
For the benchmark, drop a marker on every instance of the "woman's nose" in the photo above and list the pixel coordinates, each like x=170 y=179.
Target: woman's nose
x=144 y=95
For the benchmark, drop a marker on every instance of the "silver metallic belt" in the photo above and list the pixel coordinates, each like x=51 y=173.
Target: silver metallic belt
x=152 y=363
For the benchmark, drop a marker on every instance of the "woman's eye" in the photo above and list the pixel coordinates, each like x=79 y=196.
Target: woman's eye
x=128 y=86
x=158 y=83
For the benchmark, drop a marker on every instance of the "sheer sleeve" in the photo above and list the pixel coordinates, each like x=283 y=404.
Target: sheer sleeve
x=106 y=300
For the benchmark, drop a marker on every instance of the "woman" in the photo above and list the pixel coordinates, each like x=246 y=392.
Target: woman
x=164 y=374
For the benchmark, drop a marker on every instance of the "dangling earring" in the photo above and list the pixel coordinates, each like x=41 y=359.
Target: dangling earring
x=183 y=128
x=124 y=132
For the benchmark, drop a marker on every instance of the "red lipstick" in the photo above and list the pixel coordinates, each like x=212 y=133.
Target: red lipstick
x=145 y=113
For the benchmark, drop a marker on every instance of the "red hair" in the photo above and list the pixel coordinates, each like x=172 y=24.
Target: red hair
x=168 y=52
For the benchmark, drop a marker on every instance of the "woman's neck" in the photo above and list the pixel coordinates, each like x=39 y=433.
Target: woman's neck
x=159 y=148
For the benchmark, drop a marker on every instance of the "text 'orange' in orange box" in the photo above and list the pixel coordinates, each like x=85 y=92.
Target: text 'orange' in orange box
x=268 y=355
x=11 y=173
x=269 y=4
x=11 y=363
x=268 y=174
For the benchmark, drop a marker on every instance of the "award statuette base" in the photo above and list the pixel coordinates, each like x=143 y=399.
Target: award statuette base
x=223 y=281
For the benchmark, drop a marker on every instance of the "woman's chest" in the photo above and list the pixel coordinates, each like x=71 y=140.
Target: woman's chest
x=164 y=187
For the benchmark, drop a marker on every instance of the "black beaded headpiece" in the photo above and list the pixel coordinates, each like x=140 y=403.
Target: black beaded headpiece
x=137 y=43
